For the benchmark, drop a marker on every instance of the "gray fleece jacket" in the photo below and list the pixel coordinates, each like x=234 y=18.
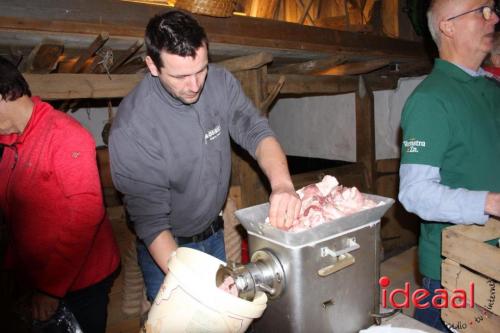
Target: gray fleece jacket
x=172 y=161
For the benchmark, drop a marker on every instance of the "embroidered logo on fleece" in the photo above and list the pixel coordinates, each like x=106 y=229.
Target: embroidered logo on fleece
x=75 y=154
x=212 y=134
x=413 y=145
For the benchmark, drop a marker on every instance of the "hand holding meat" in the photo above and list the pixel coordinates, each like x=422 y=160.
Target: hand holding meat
x=284 y=207
x=319 y=203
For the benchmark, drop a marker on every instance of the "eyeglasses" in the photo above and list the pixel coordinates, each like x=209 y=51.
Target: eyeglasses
x=486 y=11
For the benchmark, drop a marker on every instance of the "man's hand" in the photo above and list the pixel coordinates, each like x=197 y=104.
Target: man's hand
x=284 y=203
x=43 y=306
x=284 y=207
x=492 y=205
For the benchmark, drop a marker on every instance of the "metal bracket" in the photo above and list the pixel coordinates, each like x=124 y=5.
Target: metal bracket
x=341 y=258
x=350 y=244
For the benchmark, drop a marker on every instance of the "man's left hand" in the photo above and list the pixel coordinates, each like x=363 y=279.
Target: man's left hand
x=284 y=207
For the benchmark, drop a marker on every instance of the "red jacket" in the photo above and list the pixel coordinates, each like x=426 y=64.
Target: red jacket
x=60 y=239
x=493 y=70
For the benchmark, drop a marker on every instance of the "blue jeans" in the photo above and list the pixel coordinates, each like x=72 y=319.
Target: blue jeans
x=154 y=276
x=430 y=316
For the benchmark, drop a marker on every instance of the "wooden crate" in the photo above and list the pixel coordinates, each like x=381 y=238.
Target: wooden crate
x=468 y=259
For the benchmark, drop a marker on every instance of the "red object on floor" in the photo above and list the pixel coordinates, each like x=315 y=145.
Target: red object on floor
x=244 y=251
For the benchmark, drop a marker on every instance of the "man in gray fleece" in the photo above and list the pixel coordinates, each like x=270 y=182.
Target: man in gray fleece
x=170 y=148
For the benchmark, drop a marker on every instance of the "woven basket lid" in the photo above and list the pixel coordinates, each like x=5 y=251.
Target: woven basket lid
x=218 y=8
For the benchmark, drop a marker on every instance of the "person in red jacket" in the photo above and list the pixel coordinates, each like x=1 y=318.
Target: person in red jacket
x=493 y=63
x=60 y=242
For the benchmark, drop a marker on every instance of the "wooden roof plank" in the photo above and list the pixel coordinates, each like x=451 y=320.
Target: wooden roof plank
x=305 y=12
x=127 y=55
x=310 y=84
x=252 y=61
x=309 y=67
x=43 y=58
x=354 y=68
x=98 y=42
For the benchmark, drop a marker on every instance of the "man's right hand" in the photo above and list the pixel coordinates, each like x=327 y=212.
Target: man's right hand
x=284 y=207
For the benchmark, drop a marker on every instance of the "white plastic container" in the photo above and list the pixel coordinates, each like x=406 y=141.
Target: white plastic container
x=189 y=301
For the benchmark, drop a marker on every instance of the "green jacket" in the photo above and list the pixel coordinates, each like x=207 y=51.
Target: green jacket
x=452 y=121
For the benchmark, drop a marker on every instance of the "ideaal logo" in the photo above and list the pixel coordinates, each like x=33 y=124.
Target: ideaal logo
x=457 y=298
x=460 y=298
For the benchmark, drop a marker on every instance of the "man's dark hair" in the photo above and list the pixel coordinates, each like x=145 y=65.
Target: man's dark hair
x=174 y=32
x=12 y=83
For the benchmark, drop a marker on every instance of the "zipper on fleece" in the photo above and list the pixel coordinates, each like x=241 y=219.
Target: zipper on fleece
x=200 y=123
x=16 y=154
x=16 y=157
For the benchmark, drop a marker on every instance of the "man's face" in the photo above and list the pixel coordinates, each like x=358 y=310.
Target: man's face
x=473 y=34
x=183 y=77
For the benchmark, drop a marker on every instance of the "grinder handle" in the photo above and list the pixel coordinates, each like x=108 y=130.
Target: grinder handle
x=343 y=261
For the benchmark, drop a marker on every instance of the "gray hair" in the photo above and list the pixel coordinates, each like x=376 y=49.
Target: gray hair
x=434 y=16
x=433 y=24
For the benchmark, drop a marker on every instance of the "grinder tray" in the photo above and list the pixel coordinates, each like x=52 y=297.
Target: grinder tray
x=253 y=220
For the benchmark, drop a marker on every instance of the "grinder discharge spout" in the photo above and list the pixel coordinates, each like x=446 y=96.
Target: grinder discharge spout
x=264 y=273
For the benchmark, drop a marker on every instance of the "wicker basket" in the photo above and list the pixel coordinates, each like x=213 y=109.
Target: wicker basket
x=219 y=8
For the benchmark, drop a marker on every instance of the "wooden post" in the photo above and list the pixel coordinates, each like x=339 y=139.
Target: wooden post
x=246 y=172
x=264 y=9
x=365 y=131
x=390 y=18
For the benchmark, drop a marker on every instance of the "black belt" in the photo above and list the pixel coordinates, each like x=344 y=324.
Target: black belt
x=209 y=231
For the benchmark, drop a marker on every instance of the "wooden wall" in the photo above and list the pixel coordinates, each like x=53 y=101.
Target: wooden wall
x=387 y=17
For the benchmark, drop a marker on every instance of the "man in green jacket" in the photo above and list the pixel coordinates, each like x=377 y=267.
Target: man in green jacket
x=451 y=136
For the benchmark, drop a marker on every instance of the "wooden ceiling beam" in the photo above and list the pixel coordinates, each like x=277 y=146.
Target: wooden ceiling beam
x=236 y=30
x=77 y=86
x=252 y=61
x=309 y=67
x=354 y=68
x=326 y=85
